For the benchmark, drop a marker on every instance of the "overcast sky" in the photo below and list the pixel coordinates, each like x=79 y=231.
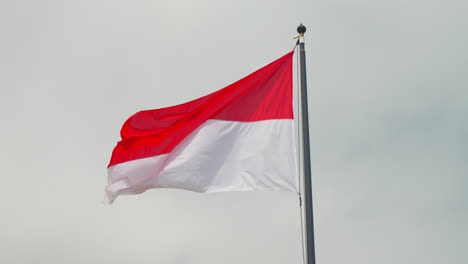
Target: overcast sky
x=388 y=94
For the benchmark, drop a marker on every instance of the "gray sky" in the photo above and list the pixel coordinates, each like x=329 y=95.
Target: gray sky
x=388 y=86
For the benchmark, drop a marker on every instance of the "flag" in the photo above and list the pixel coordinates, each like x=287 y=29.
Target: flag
x=240 y=138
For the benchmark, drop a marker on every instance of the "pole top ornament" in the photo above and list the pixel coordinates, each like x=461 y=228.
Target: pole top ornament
x=301 y=29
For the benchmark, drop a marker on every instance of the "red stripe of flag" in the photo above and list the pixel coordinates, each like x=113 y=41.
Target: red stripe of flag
x=263 y=95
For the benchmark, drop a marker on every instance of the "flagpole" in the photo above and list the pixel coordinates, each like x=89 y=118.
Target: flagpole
x=309 y=214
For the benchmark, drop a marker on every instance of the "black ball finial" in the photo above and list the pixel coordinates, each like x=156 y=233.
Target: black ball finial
x=301 y=29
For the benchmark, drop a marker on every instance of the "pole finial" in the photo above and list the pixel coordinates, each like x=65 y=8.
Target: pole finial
x=301 y=29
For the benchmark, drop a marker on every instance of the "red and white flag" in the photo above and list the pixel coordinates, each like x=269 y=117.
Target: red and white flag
x=240 y=138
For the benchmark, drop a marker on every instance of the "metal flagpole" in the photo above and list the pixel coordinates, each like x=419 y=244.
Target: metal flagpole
x=309 y=214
